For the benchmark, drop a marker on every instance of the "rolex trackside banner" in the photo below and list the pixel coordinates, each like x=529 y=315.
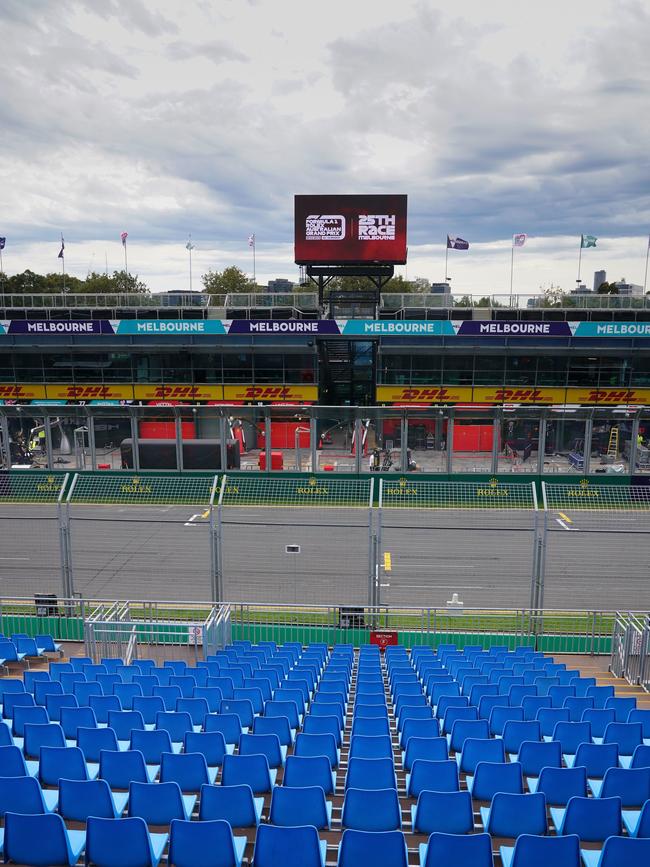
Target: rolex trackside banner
x=475 y=329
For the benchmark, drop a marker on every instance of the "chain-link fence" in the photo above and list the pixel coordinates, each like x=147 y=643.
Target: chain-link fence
x=30 y=532
x=597 y=539
x=478 y=540
x=152 y=542
x=296 y=540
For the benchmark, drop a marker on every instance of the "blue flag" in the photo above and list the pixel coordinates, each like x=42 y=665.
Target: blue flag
x=60 y=256
x=456 y=243
x=588 y=241
x=3 y=241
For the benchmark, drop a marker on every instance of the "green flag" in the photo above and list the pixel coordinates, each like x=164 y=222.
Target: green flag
x=588 y=241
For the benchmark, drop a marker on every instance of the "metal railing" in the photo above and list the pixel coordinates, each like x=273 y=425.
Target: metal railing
x=631 y=648
x=299 y=301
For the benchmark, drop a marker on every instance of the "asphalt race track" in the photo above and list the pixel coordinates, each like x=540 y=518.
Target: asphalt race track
x=593 y=560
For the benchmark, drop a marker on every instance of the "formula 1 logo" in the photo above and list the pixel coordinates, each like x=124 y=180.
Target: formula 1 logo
x=325 y=227
x=377 y=227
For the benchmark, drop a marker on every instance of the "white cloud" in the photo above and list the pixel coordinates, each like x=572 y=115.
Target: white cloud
x=174 y=116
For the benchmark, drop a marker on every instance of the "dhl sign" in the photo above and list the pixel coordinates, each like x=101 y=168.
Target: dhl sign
x=179 y=393
x=422 y=394
x=22 y=392
x=608 y=396
x=271 y=393
x=513 y=394
x=90 y=392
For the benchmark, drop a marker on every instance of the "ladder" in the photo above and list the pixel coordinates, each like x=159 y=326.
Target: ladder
x=612 y=448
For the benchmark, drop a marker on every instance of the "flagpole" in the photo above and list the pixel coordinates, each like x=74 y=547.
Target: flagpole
x=189 y=247
x=512 y=267
x=254 y=271
x=579 y=260
x=126 y=264
x=446 y=258
x=63 y=262
x=645 y=278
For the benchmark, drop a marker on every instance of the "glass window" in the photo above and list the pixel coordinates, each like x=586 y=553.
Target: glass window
x=268 y=367
x=237 y=367
x=552 y=370
x=489 y=370
x=613 y=372
x=426 y=370
x=518 y=444
x=472 y=442
x=521 y=370
x=299 y=367
x=583 y=371
x=458 y=369
x=395 y=369
x=207 y=367
x=610 y=443
x=640 y=371
x=565 y=442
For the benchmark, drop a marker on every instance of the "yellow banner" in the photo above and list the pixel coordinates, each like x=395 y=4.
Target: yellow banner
x=423 y=394
x=271 y=393
x=178 y=392
x=90 y=392
x=518 y=394
x=608 y=396
x=22 y=392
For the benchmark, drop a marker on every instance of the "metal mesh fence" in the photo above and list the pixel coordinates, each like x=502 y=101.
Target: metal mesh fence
x=476 y=540
x=295 y=541
x=136 y=490
x=152 y=542
x=30 y=549
x=596 y=546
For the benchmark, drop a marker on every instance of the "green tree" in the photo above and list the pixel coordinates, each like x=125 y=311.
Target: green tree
x=129 y=283
x=228 y=281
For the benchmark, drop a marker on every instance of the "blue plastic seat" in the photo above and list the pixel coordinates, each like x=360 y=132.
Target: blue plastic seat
x=212 y=695
x=619 y=852
x=122 y=843
x=577 y=706
x=267 y=745
x=291 y=806
x=38 y=735
x=318 y=745
x=477 y=750
x=371 y=810
x=144 y=665
x=534 y=703
x=26 y=714
x=535 y=755
x=79 y=799
x=234 y=804
x=596 y=758
x=444 y=812
x=11 y=700
x=189 y=770
x=379 y=848
x=638 y=822
x=631 y=785
x=371 y=774
x=68 y=762
x=468 y=850
x=535 y=851
x=278 y=726
x=204 y=844
x=152 y=744
x=120 y=769
x=600 y=694
x=500 y=715
x=211 y=745
x=41 y=839
x=24 y=795
x=371 y=747
x=169 y=695
x=290 y=710
x=305 y=771
x=592 y=819
x=178 y=666
x=421 y=728
x=79 y=662
x=491 y=778
x=103 y=705
x=277 y=846
x=228 y=724
x=13 y=764
x=571 y=735
x=92 y=740
x=43 y=688
x=123 y=722
x=511 y=815
x=622 y=706
x=159 y=803
x=627 y=736
x=560 y=784
x=429 y=749
x=242 y=707
x=433 y=776
x=640 y=757
x=177 y=724
x=252 y=770
x=126 y=692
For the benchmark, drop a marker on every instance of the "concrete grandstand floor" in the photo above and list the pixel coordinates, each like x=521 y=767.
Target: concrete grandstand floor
x=163 y=553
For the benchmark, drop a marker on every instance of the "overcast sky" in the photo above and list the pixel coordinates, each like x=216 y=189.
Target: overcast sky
x=170 y=117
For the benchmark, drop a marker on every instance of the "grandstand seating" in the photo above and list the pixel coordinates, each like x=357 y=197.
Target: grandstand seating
x=307 y=755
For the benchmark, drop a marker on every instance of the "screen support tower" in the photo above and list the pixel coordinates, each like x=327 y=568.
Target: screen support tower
x=377 y=276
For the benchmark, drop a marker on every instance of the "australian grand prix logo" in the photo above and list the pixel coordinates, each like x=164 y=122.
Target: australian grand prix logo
x=325 y=227
x=377 y=227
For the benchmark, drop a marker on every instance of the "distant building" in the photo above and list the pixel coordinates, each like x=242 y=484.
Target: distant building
x=581 y=290
x=281 y=285
x=440 y=289
x=182 y=298
x=625 y=288
x=600 y=277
